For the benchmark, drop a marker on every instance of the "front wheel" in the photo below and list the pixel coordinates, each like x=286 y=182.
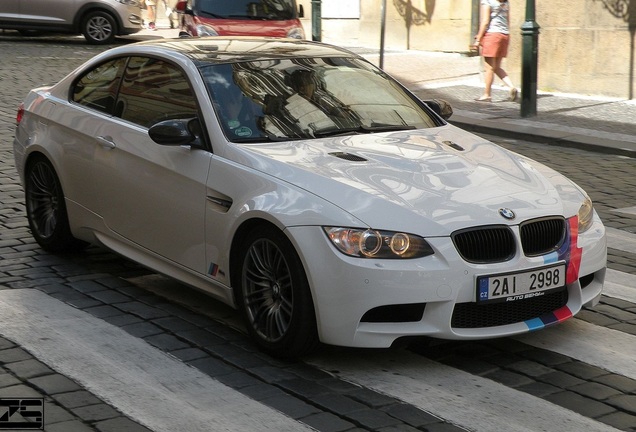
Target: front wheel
x=99 y=28
x=46 y=209
x=273 y=295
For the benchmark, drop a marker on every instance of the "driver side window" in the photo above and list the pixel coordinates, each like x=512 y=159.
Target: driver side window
x=153 y=90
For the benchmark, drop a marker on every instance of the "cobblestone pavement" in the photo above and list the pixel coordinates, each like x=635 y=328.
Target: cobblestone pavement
x=209 y=336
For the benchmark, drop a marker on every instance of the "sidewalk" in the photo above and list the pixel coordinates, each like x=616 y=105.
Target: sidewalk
x=587 y=122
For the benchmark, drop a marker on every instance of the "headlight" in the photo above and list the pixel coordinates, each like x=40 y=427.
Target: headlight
x=586 y=215
x=203 y=30
x=296 y=33
x=368 y=243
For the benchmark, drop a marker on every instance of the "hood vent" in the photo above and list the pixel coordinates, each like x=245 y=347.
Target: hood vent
x=348 y=156
x=453 y=145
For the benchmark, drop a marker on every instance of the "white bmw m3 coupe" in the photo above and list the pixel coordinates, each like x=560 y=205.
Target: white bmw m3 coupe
x=302 y=185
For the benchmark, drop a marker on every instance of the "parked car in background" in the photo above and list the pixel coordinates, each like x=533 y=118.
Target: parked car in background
x=100 y=21
x=304 y=186
x=241 y=18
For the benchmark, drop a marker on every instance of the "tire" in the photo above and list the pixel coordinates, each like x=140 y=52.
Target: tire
x=46 y=209
x=99 y=28
x=273 y=295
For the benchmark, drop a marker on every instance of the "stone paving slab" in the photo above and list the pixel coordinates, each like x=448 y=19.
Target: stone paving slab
x=67 y=407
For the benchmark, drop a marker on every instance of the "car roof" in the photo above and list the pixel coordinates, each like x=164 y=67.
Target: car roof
x=243 y=48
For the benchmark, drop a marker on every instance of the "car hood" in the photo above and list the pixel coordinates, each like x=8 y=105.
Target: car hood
x=449 y=177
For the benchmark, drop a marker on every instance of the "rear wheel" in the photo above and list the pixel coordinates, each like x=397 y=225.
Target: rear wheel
x=99 y=28
x=274 y=296
x=46 y=209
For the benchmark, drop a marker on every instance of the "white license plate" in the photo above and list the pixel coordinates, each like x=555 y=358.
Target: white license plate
x=520 y=286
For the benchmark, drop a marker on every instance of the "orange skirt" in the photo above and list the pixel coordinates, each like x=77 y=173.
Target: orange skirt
x=495 y=45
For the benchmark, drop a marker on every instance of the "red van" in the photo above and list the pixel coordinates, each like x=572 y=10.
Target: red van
x=272 y=18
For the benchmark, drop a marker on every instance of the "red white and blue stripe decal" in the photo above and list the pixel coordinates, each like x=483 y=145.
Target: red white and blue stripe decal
x=571 y=254
x=554 y=317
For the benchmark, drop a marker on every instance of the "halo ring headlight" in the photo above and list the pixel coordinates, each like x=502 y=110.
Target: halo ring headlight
x=377 y=244
x=586 y=215
x=400 y=243
x=370 y=243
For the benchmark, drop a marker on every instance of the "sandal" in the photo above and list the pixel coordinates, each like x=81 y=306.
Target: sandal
x=513 y=94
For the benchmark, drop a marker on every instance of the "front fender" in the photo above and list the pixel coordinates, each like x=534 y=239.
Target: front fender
x=239 y=195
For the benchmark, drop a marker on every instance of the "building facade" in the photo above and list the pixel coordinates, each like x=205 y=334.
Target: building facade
x=585 y=46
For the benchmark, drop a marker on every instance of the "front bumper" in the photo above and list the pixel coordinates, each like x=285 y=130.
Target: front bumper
x=133 y=24
x=372 y=303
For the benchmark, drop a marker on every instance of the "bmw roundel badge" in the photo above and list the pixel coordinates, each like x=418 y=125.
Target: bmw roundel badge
x=507 y=213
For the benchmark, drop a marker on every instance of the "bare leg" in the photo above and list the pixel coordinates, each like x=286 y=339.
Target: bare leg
x=493 y=67
x=151 y=16
x=512 y=90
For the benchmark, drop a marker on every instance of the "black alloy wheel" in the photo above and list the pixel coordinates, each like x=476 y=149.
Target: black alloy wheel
x=274 y=295
x=46 y=209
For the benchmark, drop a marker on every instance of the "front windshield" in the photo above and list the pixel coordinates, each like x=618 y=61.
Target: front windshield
x=248 y=9
x=308 y=98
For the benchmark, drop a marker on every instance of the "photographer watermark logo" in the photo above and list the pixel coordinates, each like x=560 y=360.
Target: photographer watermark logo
x=22 y=413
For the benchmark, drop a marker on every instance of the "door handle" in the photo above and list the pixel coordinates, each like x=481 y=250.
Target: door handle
x=106 y=142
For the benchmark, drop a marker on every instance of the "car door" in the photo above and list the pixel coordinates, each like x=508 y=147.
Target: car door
x=157 y=193
x=149 y=194
x=10 y=10
x=58 y=12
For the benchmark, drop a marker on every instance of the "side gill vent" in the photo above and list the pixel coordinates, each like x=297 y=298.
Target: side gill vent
x=348 y=156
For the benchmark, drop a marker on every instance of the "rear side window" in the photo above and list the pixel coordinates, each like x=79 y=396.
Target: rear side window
x=152 y=91
x=97 y=89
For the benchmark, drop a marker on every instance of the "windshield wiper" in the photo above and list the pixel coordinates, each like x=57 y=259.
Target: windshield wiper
x=375 y=127
x=380 y=127
x=268 y=138
x=247 y=17
x=338 y=131
x=213 y=15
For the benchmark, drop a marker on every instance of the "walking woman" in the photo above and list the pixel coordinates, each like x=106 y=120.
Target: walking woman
x=493 y=37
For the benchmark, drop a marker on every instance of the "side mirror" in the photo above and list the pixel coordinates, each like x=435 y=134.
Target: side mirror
x=176 y=132
x=441 y=107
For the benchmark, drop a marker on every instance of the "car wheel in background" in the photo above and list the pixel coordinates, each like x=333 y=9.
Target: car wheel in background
x=46 y=209
x=273 y=294
x=99 y=27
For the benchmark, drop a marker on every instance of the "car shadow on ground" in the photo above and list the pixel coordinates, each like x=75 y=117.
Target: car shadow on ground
x=31 y=36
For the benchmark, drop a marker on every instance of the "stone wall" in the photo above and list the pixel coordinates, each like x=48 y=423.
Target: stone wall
x=585 y=46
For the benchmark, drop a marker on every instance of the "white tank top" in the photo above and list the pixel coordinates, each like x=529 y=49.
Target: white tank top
x=498 y=16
